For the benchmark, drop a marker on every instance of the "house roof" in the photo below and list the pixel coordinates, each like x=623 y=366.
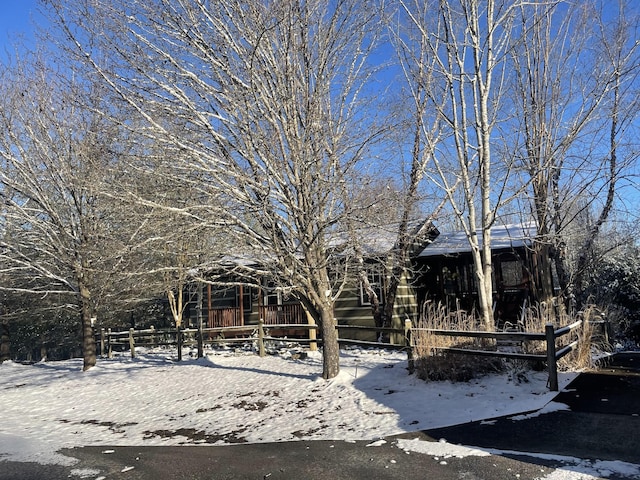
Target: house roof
x=378 y=240
x=502 y=237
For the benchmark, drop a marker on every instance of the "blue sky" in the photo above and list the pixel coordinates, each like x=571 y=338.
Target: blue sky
x=15 y=21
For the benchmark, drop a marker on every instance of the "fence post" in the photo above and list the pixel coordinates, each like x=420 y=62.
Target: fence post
x=200 y=336
x=607 y=332
x=313 y=334
x=5 y=337
x=179 y=340
x=199 y=299
x=102 y=342
x=550 y=333
x=109 y=351
x=132 y=345
x=408 y=342
x=154 y=340
x=261 y=351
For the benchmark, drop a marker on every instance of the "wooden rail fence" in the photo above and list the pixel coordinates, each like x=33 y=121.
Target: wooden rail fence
x=109 y=339
x=550 y=335
x=151 y=337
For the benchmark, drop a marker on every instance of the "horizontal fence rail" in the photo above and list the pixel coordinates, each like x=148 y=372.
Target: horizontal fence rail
x=151 y=337
x=551 y=355
x=263 y=332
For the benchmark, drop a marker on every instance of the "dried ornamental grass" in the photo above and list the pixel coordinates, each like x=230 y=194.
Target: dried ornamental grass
x=434 y=363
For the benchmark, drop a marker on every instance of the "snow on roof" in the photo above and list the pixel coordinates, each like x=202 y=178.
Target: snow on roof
x=502 y=236
x=377 y=240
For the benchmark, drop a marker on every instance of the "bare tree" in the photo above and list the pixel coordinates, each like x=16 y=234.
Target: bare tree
x=522 y=87
x=272 y=93
x=569 y=85
x=620 y=60
x=548 y=78
x=392 y=215
x=404 y=219
x=59 y=232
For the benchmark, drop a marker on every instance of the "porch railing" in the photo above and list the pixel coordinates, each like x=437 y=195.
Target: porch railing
x=282 y=314
x=225 y=317
x=270 y=314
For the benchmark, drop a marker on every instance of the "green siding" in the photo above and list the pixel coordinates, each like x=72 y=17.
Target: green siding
x=349 y=311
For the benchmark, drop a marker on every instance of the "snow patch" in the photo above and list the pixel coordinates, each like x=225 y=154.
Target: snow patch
x=572 y=468
x=378 y=443
x=441 y=449
x=84 y=472
x=548 y=408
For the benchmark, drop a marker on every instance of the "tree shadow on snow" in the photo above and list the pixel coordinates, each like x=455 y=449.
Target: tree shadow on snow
x=211 y=364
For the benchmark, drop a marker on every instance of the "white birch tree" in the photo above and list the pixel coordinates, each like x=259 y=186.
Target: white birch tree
x=525 y=91
x=465 y=45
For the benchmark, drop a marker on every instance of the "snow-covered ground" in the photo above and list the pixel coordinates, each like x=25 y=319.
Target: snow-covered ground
x=233 y=396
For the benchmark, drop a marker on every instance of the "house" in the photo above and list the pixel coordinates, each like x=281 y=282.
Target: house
x=449 y=274
x=441 y=270
x=241 y=302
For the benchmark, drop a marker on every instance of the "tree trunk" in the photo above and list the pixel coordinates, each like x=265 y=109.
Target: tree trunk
x=559 y=255
x=485 y=291
x=390 y=300
x=486 y=300
x=176 y=303
x=5 y=343
x=88 y=338
x=331 y=348
x=88 y=342
x=376 y=311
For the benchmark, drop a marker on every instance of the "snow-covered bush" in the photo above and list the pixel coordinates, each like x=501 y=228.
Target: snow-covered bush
x=615 y=287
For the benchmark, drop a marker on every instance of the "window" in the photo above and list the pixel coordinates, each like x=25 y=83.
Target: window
x=224 y=297
x=230 y=297
x=273 y=297
x=245 y=298
x=511 y=274
x=375 y=275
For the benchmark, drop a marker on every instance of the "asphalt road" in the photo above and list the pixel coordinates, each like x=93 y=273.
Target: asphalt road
x=290 y=461
x=603 y=423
